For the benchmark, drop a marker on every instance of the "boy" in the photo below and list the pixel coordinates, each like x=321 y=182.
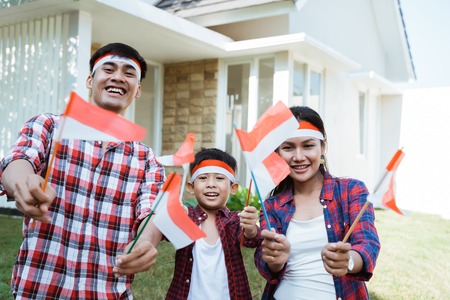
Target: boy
x=213 y=267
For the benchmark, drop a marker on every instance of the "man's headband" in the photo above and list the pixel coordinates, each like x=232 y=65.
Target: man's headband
x=306 y=129
x=111 y=57
x=213 y=166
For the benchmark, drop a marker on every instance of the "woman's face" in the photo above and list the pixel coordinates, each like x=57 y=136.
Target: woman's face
x=302 y=154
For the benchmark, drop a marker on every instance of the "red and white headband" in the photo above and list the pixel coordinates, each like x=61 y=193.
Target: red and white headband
x=306 y=129
x=213 y=166
x=111 y=57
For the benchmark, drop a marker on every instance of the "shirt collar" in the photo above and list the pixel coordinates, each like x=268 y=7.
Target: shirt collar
x=326 y=193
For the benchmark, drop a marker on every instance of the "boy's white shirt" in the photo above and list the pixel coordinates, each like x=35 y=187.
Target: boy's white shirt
x=209 y=279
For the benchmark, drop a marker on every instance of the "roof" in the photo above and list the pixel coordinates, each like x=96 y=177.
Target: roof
x=218 y=12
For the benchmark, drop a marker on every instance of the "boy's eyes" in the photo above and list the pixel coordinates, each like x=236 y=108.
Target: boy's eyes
x=217 y=177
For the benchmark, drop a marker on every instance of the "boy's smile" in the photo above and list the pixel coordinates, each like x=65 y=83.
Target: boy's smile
x=212 y=190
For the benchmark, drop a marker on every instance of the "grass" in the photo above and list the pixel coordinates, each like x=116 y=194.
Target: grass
x=414 y=261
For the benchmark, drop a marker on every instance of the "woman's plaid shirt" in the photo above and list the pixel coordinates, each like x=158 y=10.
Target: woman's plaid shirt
x=342 y=200
x=101 y=200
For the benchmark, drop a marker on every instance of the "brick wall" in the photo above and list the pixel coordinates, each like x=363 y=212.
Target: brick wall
x=189 y=104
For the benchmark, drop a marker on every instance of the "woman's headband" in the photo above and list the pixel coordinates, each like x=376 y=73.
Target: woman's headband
x=306 y=129
x=111 y=57
x=212 y=166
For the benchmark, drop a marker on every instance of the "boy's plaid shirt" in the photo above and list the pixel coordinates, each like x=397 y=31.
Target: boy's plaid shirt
x=230 y=232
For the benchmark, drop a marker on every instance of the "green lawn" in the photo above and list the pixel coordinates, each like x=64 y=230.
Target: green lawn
x=414 y=262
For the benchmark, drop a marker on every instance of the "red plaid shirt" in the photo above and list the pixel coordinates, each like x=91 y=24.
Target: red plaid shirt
x=343 y=199
x=101 y=200
x=227 y=223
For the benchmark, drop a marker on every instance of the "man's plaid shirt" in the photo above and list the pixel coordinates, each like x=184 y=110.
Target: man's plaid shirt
x=101 y=200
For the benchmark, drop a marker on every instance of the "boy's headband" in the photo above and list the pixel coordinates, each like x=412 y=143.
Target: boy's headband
x=307 y=129
x=111 y=57
x=213 y=166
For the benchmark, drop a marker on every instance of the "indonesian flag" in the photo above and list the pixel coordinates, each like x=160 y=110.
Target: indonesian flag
x=184 y=155
x=275 y=126
x=85 y=121
x=389 y=196
x=171 y=218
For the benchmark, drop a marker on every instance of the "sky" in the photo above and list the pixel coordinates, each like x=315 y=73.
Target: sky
x=428 y=29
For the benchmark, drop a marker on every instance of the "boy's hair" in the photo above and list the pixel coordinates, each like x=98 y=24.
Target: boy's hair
x=214 y=153
x=120 y=49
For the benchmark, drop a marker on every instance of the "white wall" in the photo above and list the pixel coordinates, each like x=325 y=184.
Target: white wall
x=330 y=22
x=423 y=177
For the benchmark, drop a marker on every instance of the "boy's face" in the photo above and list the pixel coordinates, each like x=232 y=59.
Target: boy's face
x=212 y=190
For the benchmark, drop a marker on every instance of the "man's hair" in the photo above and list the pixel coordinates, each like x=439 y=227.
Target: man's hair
x=214 y=153
x=120 y=50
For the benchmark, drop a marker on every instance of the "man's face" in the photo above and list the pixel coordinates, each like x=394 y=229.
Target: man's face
x=114 y=85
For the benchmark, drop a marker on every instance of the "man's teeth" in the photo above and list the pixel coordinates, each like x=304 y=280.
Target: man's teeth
x=211 y=194
x=116 y=90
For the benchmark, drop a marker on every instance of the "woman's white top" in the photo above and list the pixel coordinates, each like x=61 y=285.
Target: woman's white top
x=209 y=279
x=306 y=277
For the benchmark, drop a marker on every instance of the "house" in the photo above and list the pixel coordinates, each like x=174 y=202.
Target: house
x=215 y=63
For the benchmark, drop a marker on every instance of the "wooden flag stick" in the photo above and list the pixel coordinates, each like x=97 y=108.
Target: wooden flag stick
x=246 y=204
x=363 y=209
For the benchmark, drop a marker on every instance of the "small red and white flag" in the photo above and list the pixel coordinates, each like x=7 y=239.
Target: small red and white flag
x=275 y=126
x=85 y=121
x=270 y=172
x=388 y=199
x=184 y=155
x=171 y=218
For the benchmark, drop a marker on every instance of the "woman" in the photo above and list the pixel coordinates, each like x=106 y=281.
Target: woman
x=310 y=212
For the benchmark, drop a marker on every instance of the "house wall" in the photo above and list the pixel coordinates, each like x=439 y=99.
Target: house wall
x=332 y=26
x=189 y=105
x=340 y=115
x=423 y=176
x=253 y=29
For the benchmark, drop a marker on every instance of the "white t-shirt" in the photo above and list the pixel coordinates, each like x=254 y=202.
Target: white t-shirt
x=306 y=277
x=209 y=279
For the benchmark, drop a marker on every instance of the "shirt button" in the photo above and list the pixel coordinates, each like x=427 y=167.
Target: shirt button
x=190 y=259
x=321 y=200
x=339 y=298
x=199 y=218
x=328 y=226
x=324 y=206
x=187 y=280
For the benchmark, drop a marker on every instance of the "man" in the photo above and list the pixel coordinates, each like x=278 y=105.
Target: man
x=78 y=231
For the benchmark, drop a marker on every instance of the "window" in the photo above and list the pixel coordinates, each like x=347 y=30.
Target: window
x=315 y=91
x=305 y=80
x=299 y=84
x=237 y=111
